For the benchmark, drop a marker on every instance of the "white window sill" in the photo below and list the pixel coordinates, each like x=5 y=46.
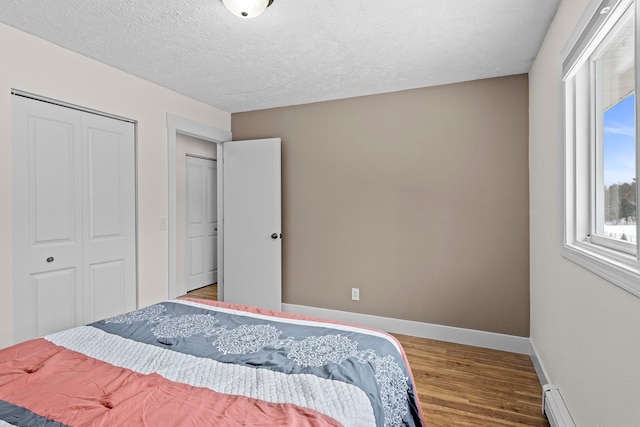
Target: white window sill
x=619 y=269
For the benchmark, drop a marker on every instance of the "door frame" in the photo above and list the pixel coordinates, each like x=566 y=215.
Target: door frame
x=181 y=125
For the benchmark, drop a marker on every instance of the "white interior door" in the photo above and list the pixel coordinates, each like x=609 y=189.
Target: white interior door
x=252 y=243
x=108 y=179
x=202 y=224
x=74 y=217
x=47 y=217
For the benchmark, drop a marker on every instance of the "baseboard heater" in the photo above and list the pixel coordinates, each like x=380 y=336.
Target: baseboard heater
x=553 y=407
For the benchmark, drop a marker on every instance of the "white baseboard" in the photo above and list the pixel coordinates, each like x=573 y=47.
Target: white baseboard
x=472 y=337
x=555 y=408
x=553 y=405
x=537 y=364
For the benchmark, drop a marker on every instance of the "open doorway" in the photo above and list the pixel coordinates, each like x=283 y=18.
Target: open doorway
x=179 y=129
x=196 y=214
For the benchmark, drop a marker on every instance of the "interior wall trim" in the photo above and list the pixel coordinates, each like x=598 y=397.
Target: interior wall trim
x=175 y=125
x=491 y=340
x=537 y=364
x=53 y=101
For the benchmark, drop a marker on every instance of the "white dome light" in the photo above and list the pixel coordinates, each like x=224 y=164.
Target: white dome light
x=247 y=8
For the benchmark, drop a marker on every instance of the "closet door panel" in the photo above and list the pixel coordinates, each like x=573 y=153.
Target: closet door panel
x=106 y=296
x=108 y=176
x=54 y=300
x=105 y=184
x=52 y=183
x=47 y=217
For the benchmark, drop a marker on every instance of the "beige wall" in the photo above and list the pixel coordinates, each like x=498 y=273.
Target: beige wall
x=34 y=65
x=584 y=328
x=419 y=198
x=186 y=145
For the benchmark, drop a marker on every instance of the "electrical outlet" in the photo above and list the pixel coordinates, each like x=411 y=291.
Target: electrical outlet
x=355 y=294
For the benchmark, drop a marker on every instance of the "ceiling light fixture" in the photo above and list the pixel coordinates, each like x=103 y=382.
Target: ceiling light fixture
x=247 y=8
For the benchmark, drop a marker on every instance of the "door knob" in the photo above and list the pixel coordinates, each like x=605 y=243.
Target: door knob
x=50 y=259
x=274 y=236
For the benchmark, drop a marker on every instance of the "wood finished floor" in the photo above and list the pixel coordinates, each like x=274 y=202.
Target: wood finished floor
x=464 y=386
x=208 y=292
x=460 y=385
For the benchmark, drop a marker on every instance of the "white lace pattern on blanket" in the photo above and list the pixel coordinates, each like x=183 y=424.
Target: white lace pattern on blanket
x=312 y=351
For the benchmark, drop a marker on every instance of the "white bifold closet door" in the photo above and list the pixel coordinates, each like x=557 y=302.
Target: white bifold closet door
x=73 y=215
x=202 y=223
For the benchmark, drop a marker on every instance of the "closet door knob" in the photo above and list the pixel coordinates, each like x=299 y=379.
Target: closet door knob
x=50 y=259
x=274 y=236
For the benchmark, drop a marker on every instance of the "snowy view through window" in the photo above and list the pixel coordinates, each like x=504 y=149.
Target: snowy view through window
x=620 y=171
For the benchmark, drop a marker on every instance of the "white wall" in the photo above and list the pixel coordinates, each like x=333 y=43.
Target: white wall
x=585 y=330
x=186 y=145
x=33 y=65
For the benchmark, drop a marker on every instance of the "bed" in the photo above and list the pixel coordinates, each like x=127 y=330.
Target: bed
x=190 y=362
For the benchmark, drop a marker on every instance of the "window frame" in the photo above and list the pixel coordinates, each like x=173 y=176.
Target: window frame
x=615 y=261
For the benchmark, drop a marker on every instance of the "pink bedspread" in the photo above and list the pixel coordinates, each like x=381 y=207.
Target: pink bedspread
x=44 y=383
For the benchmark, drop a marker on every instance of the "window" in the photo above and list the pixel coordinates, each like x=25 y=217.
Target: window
x=601 y=148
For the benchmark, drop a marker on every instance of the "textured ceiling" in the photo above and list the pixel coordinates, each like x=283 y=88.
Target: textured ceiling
x=298 y=51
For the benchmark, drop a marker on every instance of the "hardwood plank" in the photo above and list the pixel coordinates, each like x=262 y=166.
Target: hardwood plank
x=207 y=292
x=464 y=386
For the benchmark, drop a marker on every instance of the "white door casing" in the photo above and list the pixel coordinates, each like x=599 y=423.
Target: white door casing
x=252 y=223
x=180 y=125
x=269 y=278
x=202 y=227
x=74 y=217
